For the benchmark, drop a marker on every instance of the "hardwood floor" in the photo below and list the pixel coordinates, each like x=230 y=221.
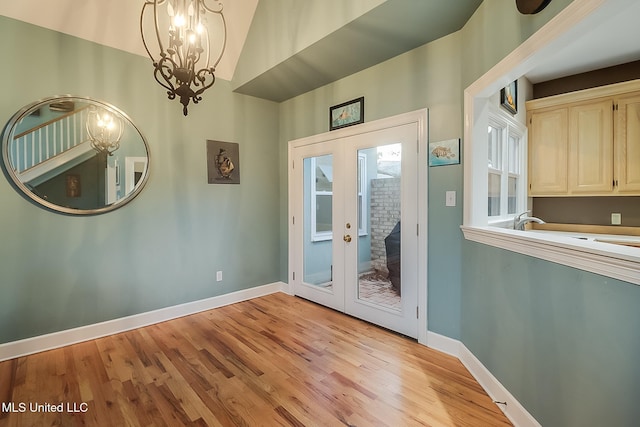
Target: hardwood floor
x=277 y=360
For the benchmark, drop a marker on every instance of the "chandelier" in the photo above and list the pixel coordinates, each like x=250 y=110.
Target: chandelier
x=183 y=40
x=105 y=130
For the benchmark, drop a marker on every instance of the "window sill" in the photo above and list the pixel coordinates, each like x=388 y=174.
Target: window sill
x=502 y=223
x=615 y=261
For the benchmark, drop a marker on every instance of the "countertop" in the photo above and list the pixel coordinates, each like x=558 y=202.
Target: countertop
x=627 y=236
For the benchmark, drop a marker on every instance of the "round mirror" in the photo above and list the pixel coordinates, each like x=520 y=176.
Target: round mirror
x=75 y=155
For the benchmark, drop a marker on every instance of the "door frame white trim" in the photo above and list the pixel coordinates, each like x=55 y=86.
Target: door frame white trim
x=421 y=118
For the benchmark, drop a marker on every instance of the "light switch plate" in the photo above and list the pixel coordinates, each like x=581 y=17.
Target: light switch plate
x=450 y=198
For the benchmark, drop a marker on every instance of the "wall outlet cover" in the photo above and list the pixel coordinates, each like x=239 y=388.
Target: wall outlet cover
x=616 y=219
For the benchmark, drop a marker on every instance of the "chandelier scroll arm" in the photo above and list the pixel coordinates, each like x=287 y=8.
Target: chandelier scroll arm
x=224 y=42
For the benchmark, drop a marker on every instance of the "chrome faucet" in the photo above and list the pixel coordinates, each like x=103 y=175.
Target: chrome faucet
x=521 y=220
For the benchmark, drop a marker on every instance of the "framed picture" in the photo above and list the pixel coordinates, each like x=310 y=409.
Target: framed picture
x=509 y=97
x=223 y=162
x=444 y=152
x=346 y=114
x=73 y=186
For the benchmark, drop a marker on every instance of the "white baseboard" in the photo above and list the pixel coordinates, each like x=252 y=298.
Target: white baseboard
x=444 y=344
x=40 y=343
x=513 y=410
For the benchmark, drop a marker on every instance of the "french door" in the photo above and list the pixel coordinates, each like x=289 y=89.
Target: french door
x=354 y=225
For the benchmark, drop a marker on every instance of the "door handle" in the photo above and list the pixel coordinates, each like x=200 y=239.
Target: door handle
x=347 y=238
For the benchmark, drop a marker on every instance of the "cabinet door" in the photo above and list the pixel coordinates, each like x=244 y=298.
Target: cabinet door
x=548 y=152
x=628 y=145
x=591 y=148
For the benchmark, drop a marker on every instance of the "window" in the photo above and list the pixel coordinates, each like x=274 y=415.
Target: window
x=322 y=197
x=506 y=158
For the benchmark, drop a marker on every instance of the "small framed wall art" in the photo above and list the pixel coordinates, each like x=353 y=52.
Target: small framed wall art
x=223 y=162
x=509 y=97
x=346 y=114
x=444 y=153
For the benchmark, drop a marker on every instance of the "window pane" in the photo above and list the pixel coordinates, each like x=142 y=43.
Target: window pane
x=514 y=154
x=494 y=195
x=324 y=173
x=495 y=148
x=513 y=195
x=323 y=212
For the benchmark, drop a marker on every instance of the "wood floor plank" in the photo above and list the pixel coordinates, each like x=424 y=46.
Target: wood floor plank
x=277 y=360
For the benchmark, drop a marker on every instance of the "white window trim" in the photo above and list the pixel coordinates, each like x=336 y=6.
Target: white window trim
x=615 y=261
x=499 y=118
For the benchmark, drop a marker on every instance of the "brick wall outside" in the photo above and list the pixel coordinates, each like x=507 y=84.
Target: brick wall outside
x=385 y=213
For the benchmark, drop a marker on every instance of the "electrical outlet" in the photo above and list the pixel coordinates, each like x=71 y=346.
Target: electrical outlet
x=218 y=276
x=616 y=219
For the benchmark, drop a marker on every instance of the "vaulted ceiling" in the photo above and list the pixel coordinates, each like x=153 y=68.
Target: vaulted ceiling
x=383 y=32
x=376 y=31
x=390 y=28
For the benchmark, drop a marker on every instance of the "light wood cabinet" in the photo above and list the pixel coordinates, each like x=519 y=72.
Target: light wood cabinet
x=628 y=144
x=585 y=143
x=548 y=151
x=590 y=168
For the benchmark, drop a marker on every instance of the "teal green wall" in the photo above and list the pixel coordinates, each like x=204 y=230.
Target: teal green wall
x=563 y=341
x=496 y=29
x=162 y=249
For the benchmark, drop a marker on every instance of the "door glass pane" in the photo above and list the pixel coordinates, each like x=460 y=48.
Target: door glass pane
x=322 y=169
x=379 y=175
x=318 y=220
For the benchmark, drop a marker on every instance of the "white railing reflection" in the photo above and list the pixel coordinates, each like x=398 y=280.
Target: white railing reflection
x=48 y=140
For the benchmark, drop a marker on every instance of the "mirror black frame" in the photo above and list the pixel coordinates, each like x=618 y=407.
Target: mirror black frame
x=24 y=190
